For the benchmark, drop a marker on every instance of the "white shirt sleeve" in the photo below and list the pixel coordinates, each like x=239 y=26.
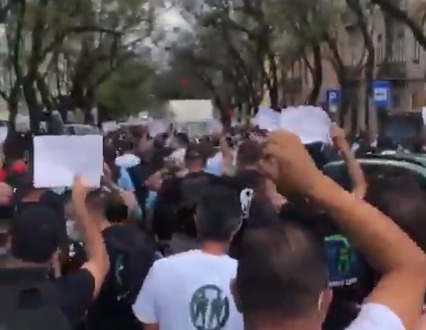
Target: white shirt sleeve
x=376 y=317
x=145 y=307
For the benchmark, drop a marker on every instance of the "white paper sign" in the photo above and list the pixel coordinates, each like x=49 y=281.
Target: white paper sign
x=110 y=126
x=424 y=115
x=57 y=159
x=311 y=124
x=214 y=126
x=3 y=133
x=268 y=119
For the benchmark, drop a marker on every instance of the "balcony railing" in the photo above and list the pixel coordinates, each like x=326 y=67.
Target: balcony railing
x=392 y=70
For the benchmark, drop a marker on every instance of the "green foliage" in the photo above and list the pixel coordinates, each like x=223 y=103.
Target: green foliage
x=76 y=49
x=127 y=91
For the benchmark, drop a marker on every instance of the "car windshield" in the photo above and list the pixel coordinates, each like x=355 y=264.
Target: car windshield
x=400 y=130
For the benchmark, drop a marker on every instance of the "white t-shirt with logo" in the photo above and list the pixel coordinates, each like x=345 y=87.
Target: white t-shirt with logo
x=376 y=317
x=190 y=290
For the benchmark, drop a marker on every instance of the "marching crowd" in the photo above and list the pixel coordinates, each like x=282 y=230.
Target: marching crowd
x=219 y=233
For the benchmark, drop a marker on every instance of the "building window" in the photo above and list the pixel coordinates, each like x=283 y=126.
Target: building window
x=398 y=53
x=417 y=51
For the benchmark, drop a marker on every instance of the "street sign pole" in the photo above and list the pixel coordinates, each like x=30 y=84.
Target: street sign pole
x=382 y=101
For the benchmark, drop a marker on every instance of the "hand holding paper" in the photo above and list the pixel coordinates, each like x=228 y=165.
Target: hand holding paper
x=311 y=124
x=268 y=119
x=58 y=159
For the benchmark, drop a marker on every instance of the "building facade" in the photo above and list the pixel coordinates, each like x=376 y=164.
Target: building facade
x=399 y=59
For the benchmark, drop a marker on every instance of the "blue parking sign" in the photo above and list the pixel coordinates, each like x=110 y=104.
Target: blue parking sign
x=333 y=97
x=382 y=94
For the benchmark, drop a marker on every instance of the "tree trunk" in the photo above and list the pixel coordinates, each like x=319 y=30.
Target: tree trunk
x=12 y=106
x=34 y=109
x=344 y=100
x=317 y=75
x=273 y=89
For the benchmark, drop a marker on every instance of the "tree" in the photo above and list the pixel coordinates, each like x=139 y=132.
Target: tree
x=299 y=29
x=65 y=49
x=231 y=54
x=414 y=21
x=127 y=91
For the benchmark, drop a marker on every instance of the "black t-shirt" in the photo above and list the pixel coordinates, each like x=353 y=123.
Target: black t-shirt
x=256 y=209
x=175 y=203
x=349 y=276
x=76 y=292
x=112 y=309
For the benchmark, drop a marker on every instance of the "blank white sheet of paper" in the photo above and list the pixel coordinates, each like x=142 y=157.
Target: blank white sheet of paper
x=311 y=124
x=268 y=119
x=57 y=159
x=3 y=133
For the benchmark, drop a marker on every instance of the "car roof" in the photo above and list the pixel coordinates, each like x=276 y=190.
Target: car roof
x=407 y=164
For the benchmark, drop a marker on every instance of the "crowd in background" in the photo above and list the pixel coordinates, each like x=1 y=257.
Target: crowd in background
x=241 y=231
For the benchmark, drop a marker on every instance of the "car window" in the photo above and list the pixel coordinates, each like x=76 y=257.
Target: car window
x=339 y=173
x=379 y=172
x=373 y=172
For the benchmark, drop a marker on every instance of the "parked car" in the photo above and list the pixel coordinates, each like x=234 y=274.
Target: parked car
x=380 y=165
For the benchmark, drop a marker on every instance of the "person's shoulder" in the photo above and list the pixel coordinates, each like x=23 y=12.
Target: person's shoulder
x=174 y=260
x=195 y=257
x=170 y=183
x=76 y=292
x=80 y=279
x=376 y=317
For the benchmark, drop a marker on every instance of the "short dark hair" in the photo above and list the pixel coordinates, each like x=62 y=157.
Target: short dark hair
x=196 y=152
x=96 y=200
x=182 y=139
x=108 y=202
x=218 y=214
x=282 y=271
x=403 y=199
x=249 y=153
x=35 y=234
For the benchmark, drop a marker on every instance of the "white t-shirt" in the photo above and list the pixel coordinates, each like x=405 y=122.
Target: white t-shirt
x=190 y=290
x=376 y=317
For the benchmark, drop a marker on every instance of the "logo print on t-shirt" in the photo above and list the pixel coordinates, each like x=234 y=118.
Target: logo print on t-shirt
x=246 y=196
x=209 y=308
x=342 y=261
x=118 y=274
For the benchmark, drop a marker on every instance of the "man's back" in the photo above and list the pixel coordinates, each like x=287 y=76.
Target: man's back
x=190 y=290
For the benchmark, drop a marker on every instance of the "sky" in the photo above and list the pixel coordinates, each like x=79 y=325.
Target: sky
x=171 y=28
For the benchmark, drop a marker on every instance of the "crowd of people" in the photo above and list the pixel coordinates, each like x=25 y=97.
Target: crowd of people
x=221 y=232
